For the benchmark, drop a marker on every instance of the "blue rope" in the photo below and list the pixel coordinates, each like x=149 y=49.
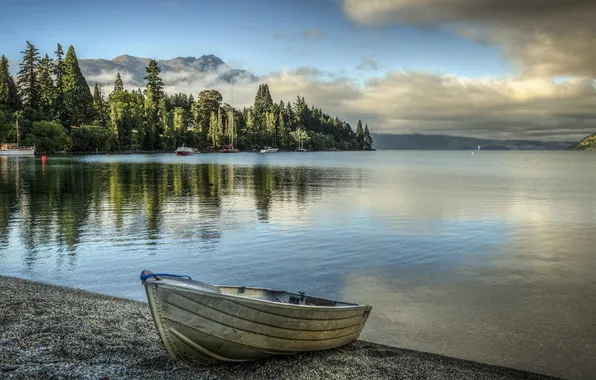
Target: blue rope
x=146 y=276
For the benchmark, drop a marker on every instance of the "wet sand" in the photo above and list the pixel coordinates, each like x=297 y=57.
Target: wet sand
x=52 y=332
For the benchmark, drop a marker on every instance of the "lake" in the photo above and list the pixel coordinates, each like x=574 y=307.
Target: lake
x=489 y=257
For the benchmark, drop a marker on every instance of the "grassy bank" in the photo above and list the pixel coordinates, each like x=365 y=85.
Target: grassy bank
x=51 y=332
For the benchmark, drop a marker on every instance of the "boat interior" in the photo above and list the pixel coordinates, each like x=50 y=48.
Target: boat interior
x=271 y=295
x=280 y=296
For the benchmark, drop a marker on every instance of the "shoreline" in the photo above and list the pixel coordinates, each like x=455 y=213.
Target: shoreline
x=50 y=331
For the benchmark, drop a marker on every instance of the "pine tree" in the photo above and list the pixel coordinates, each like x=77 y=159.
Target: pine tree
x=47 y=95
x=27 y=77
x=59 y=110
x=367 y=139
x=359 y=135
x=118 y=85
x=99 y=105
x=154 y=83
x=9 y=95
x=153 y=96
x=77 y=94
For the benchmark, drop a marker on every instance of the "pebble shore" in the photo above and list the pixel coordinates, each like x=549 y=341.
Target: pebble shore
x=52 y=332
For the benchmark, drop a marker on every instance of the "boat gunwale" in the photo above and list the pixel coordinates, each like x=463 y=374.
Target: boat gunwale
x=258 y=301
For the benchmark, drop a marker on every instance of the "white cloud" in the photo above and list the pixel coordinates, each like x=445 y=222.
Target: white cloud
x=108 y=77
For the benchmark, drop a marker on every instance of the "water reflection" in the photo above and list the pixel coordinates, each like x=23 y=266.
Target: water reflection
x=55 y=205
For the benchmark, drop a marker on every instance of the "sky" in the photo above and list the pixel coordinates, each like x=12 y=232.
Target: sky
x=482 y=68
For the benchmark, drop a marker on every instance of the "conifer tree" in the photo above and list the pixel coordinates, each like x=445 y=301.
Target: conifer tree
x=9 y=95
x=59 y=109
x=99 y=105
x=47 y=90
x=28 y=82
x=118 y=85
x=367 y=139
x=359 y=135
x=77 y=94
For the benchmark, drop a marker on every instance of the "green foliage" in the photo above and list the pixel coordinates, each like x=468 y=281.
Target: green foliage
x=90 y=138
x=27 y=77
x=47 y=91
x=47 y=137
x=9 y=96
x=359 y=135
x=367 y=140
x=78 y=100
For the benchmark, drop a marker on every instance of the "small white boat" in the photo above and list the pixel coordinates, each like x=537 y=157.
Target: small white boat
x=14 y=150
x=268 y=149
x=201 y=324
x=185 y=151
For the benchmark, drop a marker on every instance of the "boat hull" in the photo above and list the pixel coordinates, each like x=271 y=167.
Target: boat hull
x=184 y=153
x=17 y=153
x=201 y=327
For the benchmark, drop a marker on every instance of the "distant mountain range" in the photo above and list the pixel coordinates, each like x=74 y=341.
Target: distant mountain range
x=207 y=68
x=444 y=142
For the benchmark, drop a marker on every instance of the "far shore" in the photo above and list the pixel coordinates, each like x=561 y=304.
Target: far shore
x=51 y=332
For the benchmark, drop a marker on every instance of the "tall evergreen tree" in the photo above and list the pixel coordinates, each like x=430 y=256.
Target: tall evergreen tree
x=118 y=85
x=9 y=95
x=368 y=142
x=99 y=105
x=77 y=94
x=59 y=111
x=359 y=135
x=47 y=91
x=153 y=96
x=154 y=83
x=27 y=77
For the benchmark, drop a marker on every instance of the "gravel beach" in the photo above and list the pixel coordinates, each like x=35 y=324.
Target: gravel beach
x=52 y=332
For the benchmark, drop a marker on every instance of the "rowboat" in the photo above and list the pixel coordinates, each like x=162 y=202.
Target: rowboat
x=201 y=324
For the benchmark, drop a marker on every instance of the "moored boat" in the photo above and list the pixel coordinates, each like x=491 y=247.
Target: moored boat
x=185 y=151
x=201 y=323
x=269 y=149
x=15 y=149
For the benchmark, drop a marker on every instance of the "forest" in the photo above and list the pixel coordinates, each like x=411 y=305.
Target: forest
x=57 y=110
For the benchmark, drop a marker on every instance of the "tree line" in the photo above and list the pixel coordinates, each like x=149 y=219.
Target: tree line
x=56 y=110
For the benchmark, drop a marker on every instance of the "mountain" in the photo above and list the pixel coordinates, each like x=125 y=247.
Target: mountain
x=444 y=142
x=588 y=143
x=208 y=69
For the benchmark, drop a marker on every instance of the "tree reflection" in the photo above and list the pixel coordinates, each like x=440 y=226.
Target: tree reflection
x=67 y=202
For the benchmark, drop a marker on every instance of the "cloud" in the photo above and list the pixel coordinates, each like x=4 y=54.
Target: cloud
x=314 y=34
x=108 y=77
x=544 y=37
x=418 y=102
x=367 y=64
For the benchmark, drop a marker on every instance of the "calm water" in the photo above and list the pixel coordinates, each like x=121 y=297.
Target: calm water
x=489 y=257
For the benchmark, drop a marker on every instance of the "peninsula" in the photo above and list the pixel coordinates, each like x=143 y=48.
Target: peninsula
x=56 y=110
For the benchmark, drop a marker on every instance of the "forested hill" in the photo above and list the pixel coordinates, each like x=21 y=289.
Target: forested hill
x=588 y=143
x=57 y=110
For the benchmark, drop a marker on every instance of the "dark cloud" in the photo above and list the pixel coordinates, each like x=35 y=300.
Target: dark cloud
x=545 y=37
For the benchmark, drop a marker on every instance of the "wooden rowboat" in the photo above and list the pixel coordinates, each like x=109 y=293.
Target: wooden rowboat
x=202 y=324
